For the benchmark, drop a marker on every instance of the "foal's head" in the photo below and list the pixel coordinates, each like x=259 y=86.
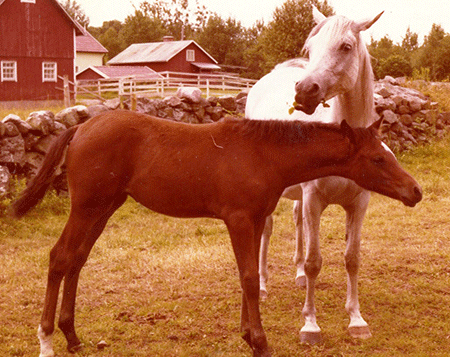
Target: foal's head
x=336 y=55
x=374 y=167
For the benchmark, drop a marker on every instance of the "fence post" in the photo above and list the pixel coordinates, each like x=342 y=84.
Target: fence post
x=66 y=91
x=121 y=94
x=207 y=87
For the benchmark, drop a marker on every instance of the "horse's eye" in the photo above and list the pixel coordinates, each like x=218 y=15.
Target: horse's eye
x=346 y=47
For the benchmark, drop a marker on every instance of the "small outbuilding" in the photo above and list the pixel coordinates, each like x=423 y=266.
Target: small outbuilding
x=90 y=52
x=169 y=55
x=116 y=72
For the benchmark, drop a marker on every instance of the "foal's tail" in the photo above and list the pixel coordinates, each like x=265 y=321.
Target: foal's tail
x=38 y=186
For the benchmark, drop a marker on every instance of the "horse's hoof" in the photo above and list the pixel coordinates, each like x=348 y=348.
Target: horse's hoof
x=300 y=281
x=76 y=348
x=362 y=332
x=47 y=354
x=311 y=338
x=263 y=295
x=261 y=354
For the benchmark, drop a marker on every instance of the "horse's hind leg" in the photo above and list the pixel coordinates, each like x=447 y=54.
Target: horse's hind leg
x=66 y=260
x=299 y=257
x=358 y=328
x=263 y=269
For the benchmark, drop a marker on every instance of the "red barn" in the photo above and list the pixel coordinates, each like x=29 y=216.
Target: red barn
x=172 y=56
x=37 y=45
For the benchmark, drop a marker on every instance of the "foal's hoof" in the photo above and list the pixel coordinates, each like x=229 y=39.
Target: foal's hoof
x=362 y=332
x=311 y=338
x=300 y=281
x=76 y=348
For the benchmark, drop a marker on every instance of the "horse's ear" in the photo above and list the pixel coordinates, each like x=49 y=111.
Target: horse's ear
x=317 y=15
x=348 y=131
x=364 y=25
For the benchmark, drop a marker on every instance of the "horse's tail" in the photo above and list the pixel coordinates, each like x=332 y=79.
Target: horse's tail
x=38 y=186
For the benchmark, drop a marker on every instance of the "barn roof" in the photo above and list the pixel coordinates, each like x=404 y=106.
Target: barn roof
x=153 y=52
x=123 y=71
x=87 y=43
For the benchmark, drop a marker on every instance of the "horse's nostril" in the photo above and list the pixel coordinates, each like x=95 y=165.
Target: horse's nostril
x=314 y=88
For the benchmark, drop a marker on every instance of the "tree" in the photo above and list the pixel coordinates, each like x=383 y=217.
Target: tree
x=435 y=53
x=392 y=59
x=180 y=18
x=139 y=28
x=410 y=42
x=112 y=42
x=286 y=34
x=253 y=54
x=225 y=40
x=395 y=65
x=76 y=12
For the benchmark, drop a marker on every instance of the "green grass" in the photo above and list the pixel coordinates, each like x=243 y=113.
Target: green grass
x=437 y=93
x=157 y=286
x=24 y=110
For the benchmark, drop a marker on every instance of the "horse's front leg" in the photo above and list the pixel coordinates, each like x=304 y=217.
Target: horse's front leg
x=264 y=250
x=312 y=210
x=299 y=257
x=358 y=327
x=245 y=236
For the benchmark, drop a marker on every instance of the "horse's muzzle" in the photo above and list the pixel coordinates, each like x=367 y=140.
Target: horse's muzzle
x=308 y=96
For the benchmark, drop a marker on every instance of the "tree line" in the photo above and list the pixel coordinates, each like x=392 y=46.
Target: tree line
x=254 y=51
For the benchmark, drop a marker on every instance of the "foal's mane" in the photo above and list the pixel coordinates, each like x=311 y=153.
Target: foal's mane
x=278 y=131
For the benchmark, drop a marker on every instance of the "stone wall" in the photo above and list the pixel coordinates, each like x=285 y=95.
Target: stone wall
x=409 y=119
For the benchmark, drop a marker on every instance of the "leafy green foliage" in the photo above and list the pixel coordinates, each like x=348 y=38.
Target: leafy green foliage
x=255 y=51
x=285 y=35
x=430 y=61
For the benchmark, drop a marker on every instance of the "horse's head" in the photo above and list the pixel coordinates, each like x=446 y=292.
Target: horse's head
x=374 y=167
x=336 y=53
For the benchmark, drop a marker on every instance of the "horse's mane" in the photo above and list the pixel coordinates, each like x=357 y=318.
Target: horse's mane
x=278 y=131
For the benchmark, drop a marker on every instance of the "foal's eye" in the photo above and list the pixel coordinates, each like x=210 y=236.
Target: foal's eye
x=346 y=47
x=378 y=160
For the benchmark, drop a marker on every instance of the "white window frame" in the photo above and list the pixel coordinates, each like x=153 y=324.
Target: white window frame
x=6 y=67
x=49 y=71
x=190 y=55
x=29 y=1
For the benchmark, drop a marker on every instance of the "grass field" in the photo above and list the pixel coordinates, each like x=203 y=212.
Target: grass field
x=157 y=286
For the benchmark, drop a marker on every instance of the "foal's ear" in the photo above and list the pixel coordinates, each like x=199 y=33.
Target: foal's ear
x=347 y=130
x=364 y=25
x=317 y=15
x=377 y=124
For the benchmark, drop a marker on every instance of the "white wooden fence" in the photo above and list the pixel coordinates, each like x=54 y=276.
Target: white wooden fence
x=167 y=84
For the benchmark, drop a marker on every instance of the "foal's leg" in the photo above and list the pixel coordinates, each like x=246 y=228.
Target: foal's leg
x=299 y=258
x=312 y=210
x=358 y=328
x=263 y=268
x=66 y=260
x=245 y=236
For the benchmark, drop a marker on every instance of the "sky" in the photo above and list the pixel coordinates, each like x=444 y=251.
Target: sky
x=398 y=14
